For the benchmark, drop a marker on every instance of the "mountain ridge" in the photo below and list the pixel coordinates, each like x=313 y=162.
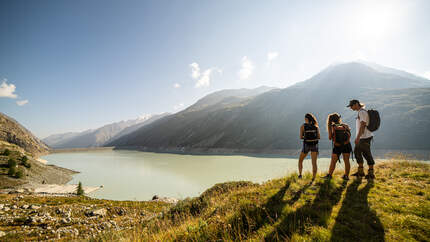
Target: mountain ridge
x=270 y=120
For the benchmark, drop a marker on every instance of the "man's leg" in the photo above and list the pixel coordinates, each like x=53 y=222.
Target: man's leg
x=367 y=153
x=358 y=152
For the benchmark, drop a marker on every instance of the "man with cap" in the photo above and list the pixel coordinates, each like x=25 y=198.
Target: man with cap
x=362 y=140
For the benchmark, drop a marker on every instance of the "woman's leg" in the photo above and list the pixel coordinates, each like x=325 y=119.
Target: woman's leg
x=347 y=164
x=301 y=158
x=314 y=156
x=334 y=159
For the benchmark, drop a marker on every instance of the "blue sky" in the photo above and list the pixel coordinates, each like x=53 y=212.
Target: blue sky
x=75 y=65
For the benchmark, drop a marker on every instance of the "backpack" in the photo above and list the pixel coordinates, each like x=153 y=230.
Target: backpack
x=374 y=120
x=310 y=133
x=341 y=134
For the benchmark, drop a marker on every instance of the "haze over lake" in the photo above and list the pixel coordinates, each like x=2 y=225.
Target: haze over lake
x=130 y=175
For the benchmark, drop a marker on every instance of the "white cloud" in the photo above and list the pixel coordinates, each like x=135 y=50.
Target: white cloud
x=21 y=102
x=176 y=85
x=205 y=79
x=272 y=55
x=247 y=67
x=7 y=90
x=195 y=70
x=178 y=106
x=426 y=74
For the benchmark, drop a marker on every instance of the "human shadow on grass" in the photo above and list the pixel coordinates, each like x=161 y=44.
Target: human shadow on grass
x=355 y=220
x=314 y=212
x=251 y=217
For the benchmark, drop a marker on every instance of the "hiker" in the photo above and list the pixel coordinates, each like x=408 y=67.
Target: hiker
x=362 y=140
x=340 y=134
x=310 y=134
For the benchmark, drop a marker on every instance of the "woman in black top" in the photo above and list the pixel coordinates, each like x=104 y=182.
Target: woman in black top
x=339 y=133
x=310 y=134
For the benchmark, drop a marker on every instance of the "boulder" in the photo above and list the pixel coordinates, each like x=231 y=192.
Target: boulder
x=97 y=212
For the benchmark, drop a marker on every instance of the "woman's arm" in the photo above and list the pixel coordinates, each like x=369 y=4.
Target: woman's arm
x=301 y=132
x=330 y=136
x=318 y=130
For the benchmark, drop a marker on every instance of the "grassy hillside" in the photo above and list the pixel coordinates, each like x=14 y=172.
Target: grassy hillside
x=394 y=207
x=33 y=171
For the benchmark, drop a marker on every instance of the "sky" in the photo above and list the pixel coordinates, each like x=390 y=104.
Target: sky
x=75 y=65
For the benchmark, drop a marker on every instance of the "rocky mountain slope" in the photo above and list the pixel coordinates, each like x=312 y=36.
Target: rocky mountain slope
x=271 y=120
x=13 y=132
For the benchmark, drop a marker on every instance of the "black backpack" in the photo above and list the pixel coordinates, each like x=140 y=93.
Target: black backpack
x=341 y=134
x=374 y=120
x=310 y=132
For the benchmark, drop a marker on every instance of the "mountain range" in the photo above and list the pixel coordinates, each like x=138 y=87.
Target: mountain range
x=262 y=119
x=98 y=137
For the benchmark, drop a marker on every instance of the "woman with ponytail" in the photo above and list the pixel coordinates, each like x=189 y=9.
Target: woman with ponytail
x=339 y=133
x=310 y=134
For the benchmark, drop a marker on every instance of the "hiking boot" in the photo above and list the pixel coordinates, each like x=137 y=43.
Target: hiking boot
x=328 y=176
x=345 y=177
x=370 y=174
x=359 y=173
x=300 y=176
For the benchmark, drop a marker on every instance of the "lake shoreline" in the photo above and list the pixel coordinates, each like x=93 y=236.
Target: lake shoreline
x=275 y=153
x=270 y=153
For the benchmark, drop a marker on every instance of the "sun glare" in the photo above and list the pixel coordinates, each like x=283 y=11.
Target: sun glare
x=375 y=20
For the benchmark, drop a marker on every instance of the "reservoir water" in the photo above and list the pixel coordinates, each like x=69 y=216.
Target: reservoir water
x=134 y=175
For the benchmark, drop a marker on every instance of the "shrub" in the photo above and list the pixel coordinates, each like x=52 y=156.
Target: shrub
x=24 y=159
x=12 y=171
x=6 y=152
x=79 y=190
x=11 y=163
x=19 y=174
x=25 y=162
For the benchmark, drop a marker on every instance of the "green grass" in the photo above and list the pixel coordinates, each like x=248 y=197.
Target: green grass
x=394 y=207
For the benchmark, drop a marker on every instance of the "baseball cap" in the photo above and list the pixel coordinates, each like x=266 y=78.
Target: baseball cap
x=352 y=102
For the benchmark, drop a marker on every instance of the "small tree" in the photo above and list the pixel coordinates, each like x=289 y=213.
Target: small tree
x=11 y=163
x=12 y=171
x=79 y=189
x=6 y=152
x=19 y=174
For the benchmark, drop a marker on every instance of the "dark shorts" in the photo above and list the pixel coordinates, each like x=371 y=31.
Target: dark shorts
x=344 y=149
x=309 y=147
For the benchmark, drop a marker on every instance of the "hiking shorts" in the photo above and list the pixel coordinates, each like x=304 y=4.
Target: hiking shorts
x=362 y=149
x=309 y=147
x=343 y=149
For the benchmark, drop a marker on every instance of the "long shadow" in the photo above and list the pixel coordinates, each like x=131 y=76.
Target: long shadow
x=355 y=220
x=251 y=218
x=316 y=212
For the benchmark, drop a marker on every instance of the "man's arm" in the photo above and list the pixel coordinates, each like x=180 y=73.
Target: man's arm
x=360 y=131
